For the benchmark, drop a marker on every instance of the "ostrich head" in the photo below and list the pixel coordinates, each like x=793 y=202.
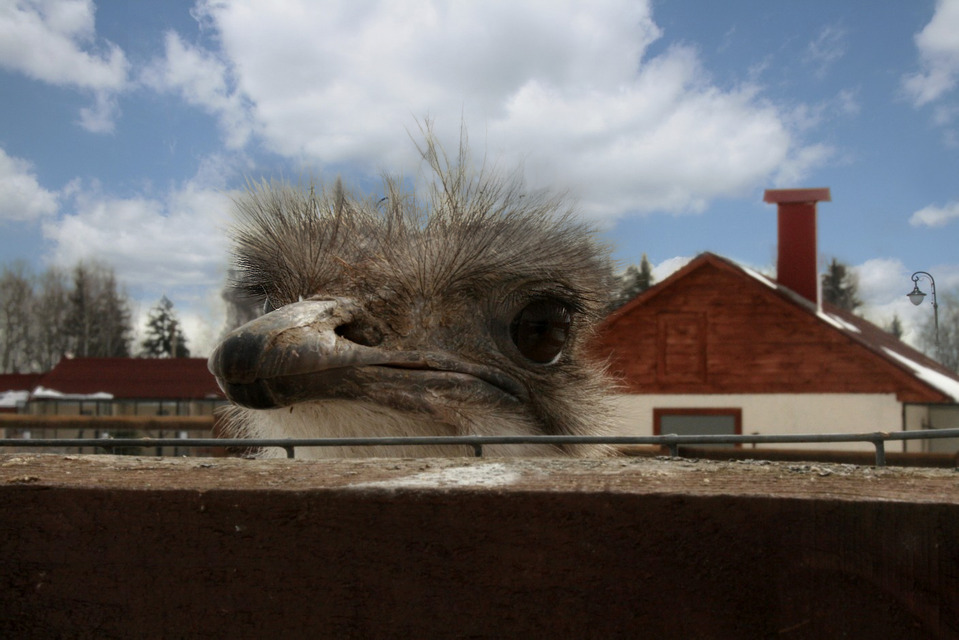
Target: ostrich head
x=462 y=313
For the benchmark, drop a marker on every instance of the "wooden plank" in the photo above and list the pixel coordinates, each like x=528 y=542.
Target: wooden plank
x=103 y=546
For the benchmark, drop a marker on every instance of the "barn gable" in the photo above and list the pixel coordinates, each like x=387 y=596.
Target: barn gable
x=714 y=327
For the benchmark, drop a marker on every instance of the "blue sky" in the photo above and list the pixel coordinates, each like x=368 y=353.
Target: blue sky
x=125 y=126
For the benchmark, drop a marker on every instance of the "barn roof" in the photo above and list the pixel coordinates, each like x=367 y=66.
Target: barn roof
x=19 y=381
x=129 y=378
x=863 y=333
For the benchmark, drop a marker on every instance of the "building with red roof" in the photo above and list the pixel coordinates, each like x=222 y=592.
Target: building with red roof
x=719 y=348
x=126 y=386
x=114 y=397
x=15 y=389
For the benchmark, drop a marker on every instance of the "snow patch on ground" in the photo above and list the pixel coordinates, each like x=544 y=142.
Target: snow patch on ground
x=495 y=474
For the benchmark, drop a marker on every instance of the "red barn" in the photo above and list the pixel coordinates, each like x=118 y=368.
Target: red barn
x=719 y=348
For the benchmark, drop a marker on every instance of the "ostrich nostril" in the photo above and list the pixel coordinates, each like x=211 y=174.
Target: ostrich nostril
x=361 y=333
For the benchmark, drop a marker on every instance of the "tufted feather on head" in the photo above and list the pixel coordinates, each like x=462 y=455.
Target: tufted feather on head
x=465 y=309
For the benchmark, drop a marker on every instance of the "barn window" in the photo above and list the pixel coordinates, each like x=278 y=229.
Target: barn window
x=689 y=422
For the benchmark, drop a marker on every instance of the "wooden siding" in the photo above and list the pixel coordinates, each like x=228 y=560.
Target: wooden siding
x=681 y=347
x=716 y=329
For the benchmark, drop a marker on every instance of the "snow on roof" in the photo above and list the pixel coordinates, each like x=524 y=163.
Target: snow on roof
x=944 y=383
x=864 y=332
x=42 y=393
x=758 y=276
x=838 y=322
x=12 y=399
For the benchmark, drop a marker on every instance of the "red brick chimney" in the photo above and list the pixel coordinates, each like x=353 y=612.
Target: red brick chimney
x=796 y=267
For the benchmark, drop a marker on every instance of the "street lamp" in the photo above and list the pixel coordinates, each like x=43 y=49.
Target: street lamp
x=917 y=296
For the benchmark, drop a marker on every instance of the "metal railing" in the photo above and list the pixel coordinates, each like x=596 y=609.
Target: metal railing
x=877 y=438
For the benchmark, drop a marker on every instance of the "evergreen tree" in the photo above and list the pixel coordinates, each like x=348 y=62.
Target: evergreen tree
x=633 y=281
x=164 y=335
x=895 y=327
x=840 y=286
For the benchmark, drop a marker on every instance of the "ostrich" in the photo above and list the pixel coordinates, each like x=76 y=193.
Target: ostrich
x=464 y=312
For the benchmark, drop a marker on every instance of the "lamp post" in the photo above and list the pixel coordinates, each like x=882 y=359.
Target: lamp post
x=917 y=296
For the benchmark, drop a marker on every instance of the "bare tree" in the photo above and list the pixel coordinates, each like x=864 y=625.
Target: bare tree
x=98 y=323
x=115 y=330
x=50 y=310
x=16 y=302
x=44 y=317
x=948 y=354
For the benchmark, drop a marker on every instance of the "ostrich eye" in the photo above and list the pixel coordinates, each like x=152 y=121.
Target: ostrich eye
x=540 y=330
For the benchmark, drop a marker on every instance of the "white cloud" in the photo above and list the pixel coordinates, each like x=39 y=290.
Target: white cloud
x=935 y=216
x=54 y=41
x=101 y=116
x=938 y=56
x=668 y=267
x=827 y=49
x=883 y=285
x=881 y=279
x=807 y=116
x=794 y=168
x=176 y=240
x=202 y=80
x=848 y=102
x=567 y=89
x=173 y=245
x=666 y=140
x=21 y=196
x=46 y=41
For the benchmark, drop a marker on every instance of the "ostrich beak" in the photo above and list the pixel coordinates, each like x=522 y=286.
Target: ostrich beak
x=295 y=354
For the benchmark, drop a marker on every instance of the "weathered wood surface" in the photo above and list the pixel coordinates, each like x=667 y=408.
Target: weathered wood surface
x=104 y=546
x=835 y=456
